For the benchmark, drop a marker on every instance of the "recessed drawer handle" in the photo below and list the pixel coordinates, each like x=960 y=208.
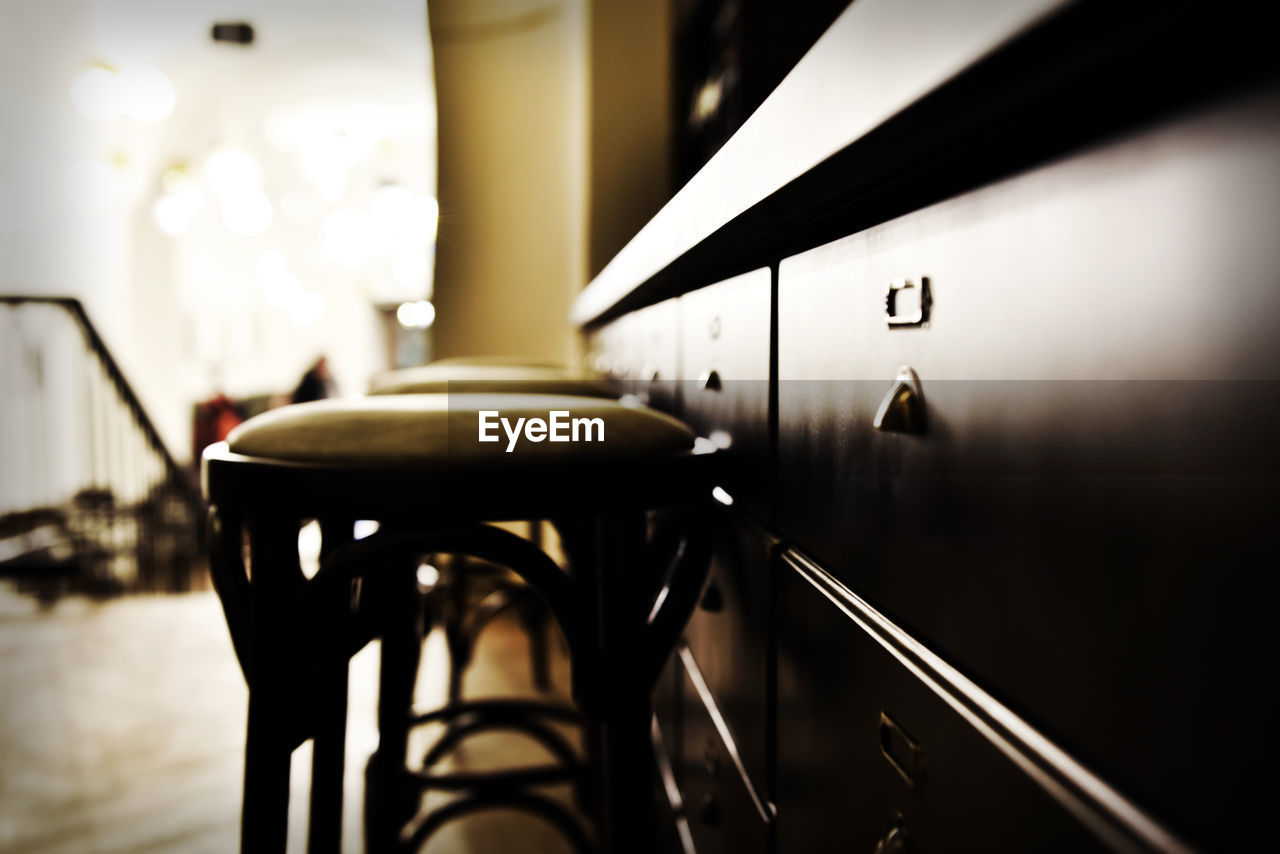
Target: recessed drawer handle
x=903 y=752
x=709 y=380
x=649 y=374
x=896 y=840
x=907 y=302
x=902 y=410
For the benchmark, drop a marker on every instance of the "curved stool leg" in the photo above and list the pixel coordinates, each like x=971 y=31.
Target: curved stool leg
x=389 y=801
x=553 y=812
x=328 y=758
x=273 y=587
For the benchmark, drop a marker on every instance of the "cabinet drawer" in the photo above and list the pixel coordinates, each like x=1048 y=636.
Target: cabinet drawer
x=725 y=813
x=729 y=637
x=725 y=345
x=640 y=352
x=865 y=746
x=1058 y=526
x=653 y=354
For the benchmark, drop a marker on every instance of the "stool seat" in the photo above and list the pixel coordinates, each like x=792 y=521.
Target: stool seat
x=463 y=378
x=437 y=431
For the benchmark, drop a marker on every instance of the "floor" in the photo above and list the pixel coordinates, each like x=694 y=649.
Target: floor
x=122 y=726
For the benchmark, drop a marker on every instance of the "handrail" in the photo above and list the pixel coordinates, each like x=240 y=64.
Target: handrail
x=75 y=308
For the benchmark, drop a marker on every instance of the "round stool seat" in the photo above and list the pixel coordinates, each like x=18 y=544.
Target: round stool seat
x=435 y=430
x=461 y=378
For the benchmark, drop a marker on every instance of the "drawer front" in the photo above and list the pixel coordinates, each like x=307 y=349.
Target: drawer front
x=868 y=753
x=725 y=346
x=729 y=637
x=653 y=354
x=608 y=352
x=640 y=353
x=724 y=813
x=1058 y=528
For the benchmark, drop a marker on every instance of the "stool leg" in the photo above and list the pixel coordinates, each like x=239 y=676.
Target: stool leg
x=328 y=758
x=621 y=584
x=275 y=580
x=457 y=640
x=390 y=799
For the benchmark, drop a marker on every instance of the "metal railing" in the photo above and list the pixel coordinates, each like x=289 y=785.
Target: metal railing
x=91 y=500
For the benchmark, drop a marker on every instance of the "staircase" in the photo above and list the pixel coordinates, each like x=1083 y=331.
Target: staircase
x=91 y=500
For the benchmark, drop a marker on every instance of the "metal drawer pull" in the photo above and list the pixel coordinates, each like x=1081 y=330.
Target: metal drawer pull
x=907 y=304
x=896 y=841
x=649 y=374
x=710 y=380
x=902 y=410
x=903 y=752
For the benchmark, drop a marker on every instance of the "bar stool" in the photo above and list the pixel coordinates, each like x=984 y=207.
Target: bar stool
x=449 y=601
x=416 y=462
x=489 y=374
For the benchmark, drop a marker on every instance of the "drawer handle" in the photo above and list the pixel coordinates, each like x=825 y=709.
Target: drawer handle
x=907 y=304
x=710 y=380
x=896 y=841
x=903 y=410
x=649 y=374
x=903 y=752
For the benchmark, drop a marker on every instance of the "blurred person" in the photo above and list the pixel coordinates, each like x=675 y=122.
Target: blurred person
x=316 y=383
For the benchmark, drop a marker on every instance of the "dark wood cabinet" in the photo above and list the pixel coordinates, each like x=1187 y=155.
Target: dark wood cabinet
x=1051 y=521
x=868 y=753
x=725 y=371
x=980 y=308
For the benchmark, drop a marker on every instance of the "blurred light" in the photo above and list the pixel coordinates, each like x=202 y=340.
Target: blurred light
x=392 y=205
x=172 y=212
x=328 y=157
x=309 y=542
x=364 y=528
x=309 y=308
x=141 y=92
x=709 y=97
x=282 y=288
x=97 y=94
x=247 y=215
x=416 y=315
x=722 y=439
x=93 y=184
x=148 y=94
x=301 y=209
x=424 y=218
x=428 y=577
x=723 y=497
x=409 y=267
x=353 y=237
x=232 y=172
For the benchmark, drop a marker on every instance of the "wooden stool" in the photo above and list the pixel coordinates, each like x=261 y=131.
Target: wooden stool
x=414 y=462
x=503 y=375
